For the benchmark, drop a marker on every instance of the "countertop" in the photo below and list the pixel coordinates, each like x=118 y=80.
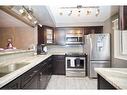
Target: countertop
x=32 y=60
x=115 y=76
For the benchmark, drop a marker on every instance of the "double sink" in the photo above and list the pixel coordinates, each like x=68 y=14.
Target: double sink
x=4 y=70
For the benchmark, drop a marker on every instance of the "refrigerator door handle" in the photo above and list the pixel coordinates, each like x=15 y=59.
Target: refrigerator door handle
x=91 y=45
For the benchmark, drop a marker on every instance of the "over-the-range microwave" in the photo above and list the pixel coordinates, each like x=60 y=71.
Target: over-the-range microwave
x=74 y=40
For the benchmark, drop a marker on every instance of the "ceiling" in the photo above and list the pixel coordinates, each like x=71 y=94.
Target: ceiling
x=83 y=19
x=43 y=16
x=49 y=15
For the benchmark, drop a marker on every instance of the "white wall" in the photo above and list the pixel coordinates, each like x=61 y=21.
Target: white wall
x=108 y=29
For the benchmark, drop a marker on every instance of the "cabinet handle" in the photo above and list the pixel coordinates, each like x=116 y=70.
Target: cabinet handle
x=40 y=76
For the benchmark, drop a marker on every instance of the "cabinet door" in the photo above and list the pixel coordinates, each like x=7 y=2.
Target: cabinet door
x=43 y=80
x=59 y=65
x=40 y=35
x=29 y=80
x=45 y=35
x=60 y=36
x=93 y=29
x=33 y=83
x=15 y=84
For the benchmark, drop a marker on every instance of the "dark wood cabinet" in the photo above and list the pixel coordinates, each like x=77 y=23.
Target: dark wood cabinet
x=93 y=29
x=33 y=83
x=40 y=35
x=45 y=35
x=45 y=73
x=35 y=78
x=59 y=65
x=123 y=17
x=30 y=79
x=103 y=84
x=39 y=76
x=15 y=84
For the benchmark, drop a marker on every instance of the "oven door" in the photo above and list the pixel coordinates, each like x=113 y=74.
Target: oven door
x=79 y=63
x=75 y=63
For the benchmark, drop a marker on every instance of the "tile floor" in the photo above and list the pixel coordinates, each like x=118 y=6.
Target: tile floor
x=62 y=82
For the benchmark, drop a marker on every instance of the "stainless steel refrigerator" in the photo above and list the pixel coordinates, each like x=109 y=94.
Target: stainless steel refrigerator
x=97 y=47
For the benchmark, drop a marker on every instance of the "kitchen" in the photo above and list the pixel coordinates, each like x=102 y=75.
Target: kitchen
x=42 y=47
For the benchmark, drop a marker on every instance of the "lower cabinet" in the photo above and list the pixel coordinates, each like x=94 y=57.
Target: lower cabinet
x=45 y=73
x=103 y=84
x=35 y=78
x=15 y=84
x=59 y=65
x=39 y=76
x=33 y=83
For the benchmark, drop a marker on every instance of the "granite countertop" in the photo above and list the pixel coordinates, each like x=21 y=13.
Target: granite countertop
x=32 y=60
x=115 y=76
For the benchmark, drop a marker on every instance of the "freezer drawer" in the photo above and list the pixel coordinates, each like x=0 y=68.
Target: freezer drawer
x=97 y=64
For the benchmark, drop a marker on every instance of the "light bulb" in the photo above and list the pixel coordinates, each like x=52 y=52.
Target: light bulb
x=70 y=13
x=30 y=17
x=79 y=13
x=40 y=25
x=88 y=12
x=21 y=11
x=35 y=22
x=97 y=12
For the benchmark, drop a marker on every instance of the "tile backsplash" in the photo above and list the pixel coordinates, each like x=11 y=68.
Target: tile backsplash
x=69 y=48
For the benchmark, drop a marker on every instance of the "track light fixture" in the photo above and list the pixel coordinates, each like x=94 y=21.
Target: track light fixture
x=88 y=10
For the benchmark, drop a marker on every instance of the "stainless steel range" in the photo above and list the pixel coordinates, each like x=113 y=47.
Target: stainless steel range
x=76 y=64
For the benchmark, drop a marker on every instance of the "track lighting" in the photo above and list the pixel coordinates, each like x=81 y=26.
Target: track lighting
x=21 y=11
x=79 y=13
x=97 y=12
x=70 y=13
x=80 y=9
x=29 y=16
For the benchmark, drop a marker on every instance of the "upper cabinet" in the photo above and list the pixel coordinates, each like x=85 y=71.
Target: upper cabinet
x=60 y=36
x=45 y=35
x=49 y=35
x=123 y=17
x=93 y=29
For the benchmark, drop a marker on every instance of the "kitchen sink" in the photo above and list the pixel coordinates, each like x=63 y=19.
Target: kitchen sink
x=11 y=67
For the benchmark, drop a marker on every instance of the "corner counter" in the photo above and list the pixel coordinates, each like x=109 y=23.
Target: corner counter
x=113 y=78
x=32 y=60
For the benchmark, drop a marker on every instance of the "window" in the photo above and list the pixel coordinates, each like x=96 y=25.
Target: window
x=120 y=41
